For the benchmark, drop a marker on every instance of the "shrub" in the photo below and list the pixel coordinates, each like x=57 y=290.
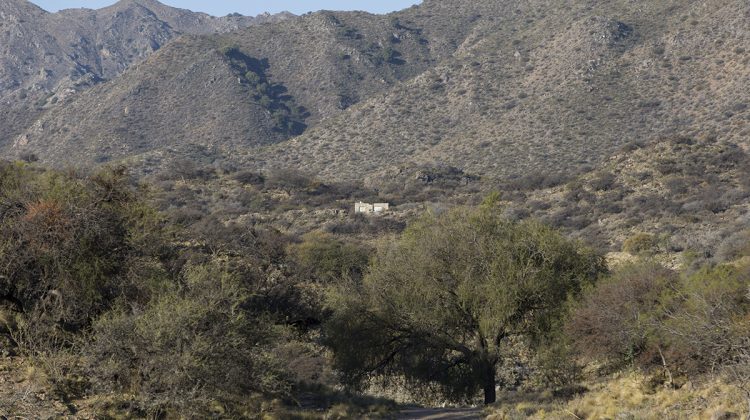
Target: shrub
x=616 y=318
x=191 y=347
x=387 y=54
x=640 y=243
x=648 y=314
x=326 y=259
x=604 y=181
x=735 y=246
x=249 y=178
x=229 y=50
x=707 y=318
x=70 y=245
x=288 y=179
x=29 y=157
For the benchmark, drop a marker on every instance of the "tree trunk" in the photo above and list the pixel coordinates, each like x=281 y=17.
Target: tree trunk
x=489 y=385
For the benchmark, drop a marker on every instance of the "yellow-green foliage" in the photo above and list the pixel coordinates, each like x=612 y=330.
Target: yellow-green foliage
x=441 y=304
x=193 y=347
x=325 y=258
x=639 y=243
x=71 y=244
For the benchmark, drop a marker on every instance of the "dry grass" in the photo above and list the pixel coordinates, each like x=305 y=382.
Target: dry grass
x=629 y=396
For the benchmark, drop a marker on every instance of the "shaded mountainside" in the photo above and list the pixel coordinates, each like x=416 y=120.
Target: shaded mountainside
x=47 y=57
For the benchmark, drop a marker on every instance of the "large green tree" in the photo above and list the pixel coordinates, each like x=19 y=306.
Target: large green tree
x=439 y=305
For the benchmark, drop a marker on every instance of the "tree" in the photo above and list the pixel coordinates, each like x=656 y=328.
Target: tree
x=440 y=305
x=194 y=345
x=388 y=54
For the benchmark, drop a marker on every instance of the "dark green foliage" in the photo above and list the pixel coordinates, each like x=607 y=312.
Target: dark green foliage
x=439 y=305
x=289 y=118
x=253 y=78
x=387 y=54
x=229 y=50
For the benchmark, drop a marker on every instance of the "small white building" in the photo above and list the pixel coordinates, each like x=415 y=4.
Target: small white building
x=368 y=208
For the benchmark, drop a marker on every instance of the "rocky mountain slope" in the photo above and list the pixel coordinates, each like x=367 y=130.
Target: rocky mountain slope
x=686 y=193
x=257 y=86
x=47 y=57
x=497 y=89
x=547 y=87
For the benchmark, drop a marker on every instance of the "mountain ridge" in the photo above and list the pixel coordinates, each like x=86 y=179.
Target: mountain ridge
x=570 y=100
x=497 y=89
x=47 y=57
x=356 y=55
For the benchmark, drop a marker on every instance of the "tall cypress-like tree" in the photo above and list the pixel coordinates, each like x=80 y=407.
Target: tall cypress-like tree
x=438 y=305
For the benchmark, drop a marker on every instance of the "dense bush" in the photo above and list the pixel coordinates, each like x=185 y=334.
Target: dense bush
x=288 y=179
x=616 y=319
x=70 y=245
x=190 y=348
x=653 y=316
x=326 y=259
x=639 y=243
x=166 y=320
x=603 y=181
x=249 y=177
x=707 y=319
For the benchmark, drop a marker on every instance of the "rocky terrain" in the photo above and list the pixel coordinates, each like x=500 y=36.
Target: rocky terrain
x=47 y=57
x=549 y=88
x=304 y=71
x=445 y=96
x=494 y=88
x=177 y=234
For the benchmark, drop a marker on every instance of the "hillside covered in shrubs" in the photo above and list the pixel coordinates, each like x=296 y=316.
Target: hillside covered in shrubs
x=111 y=307
x=566 y=235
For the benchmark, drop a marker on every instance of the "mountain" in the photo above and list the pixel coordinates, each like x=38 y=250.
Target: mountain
x=252 y=87
x=47 y=57
x=498 y=89
x=549 y=88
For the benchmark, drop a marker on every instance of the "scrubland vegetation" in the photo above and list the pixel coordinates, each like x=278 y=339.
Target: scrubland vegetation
x=567 y=235
x=111 y=308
